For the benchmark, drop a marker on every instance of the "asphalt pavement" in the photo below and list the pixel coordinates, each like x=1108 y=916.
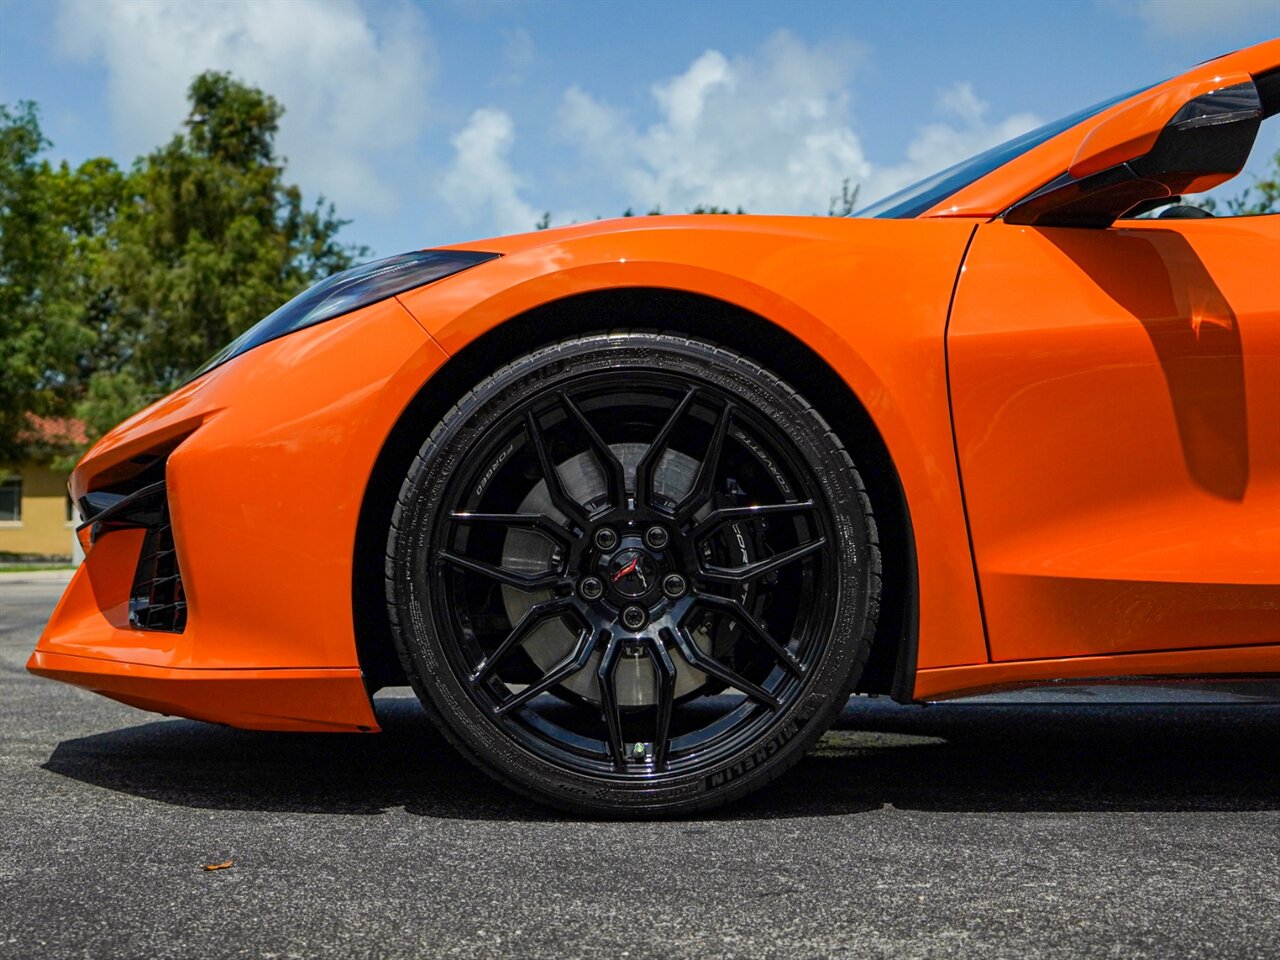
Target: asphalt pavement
x=941 y=831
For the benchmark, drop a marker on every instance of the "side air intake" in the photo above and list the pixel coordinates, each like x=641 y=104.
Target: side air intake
x=157 y=601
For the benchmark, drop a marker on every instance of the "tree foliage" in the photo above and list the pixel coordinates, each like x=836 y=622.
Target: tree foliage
x=115 y=285
x=41 y=338
x=1260 y=197
x=842 y=205
x=846 y=201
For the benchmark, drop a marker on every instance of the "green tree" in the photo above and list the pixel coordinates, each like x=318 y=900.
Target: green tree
x=842 y=205
x=1262 y=196
x=207 y=240
x=41 y=338
x=116 y=284
x=846 y=202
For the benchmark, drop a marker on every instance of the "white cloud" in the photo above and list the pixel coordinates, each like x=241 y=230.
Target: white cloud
x=964 y=131
x=518 y=55
x=1199 y=18
x=481 y=185
x=770 y=132
x=353 y=90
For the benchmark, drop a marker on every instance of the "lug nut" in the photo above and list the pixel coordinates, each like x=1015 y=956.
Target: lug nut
x=591 y=588
x=656 y=537
x=606 y=538
x=633 y=617
x=673 y=585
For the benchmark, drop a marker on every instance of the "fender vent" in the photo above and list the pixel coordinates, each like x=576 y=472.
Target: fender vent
x=158 y=601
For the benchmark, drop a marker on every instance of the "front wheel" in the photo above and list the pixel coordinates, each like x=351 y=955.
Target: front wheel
x=633 y=574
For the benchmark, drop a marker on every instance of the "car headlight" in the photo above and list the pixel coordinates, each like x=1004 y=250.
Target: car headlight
x=347 y=291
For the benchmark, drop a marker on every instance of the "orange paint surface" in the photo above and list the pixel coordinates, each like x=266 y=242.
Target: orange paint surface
x=332 y=701
x=1109 y=398
x=264 y=496
x=1117 y=410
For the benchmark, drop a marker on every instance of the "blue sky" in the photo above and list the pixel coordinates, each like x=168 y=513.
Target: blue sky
x=432 y=123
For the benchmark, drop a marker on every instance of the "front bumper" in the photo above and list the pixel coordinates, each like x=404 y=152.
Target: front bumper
x=265 y=465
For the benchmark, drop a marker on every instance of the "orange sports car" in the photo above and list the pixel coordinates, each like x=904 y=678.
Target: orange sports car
x=636 y=505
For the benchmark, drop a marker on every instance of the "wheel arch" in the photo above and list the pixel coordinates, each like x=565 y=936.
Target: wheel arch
x=890 y=668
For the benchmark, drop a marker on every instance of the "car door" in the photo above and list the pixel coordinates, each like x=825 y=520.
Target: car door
x=1116 y=403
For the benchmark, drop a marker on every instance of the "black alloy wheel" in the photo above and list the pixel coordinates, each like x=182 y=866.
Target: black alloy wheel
x=633 y=574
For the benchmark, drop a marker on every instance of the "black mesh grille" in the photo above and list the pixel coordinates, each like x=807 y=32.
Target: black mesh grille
x=158 y=601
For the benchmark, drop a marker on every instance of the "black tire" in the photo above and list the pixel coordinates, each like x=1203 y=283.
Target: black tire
x=450 y=625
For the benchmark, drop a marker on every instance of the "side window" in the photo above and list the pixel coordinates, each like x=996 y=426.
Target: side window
x=11 y=500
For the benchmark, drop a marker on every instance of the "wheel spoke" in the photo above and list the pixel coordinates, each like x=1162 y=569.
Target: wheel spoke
x=728 y=514
x=606 y=678
x=665 y=672
x=592 y=531
x=649 y=462
x=707 y=664
x=615 y=475
x=753 y=571
x=533 y=521
x=555 y=487
x=575 y=661
x=704 y=482
x=537 y=614
x=512 y=578
x=737 y=612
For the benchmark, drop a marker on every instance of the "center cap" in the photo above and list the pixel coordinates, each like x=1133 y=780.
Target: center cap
x=632 y=573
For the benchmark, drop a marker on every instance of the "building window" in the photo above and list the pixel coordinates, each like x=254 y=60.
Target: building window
x=11 y=500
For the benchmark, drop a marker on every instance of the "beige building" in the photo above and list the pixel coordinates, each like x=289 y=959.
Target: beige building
x=36 y=517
